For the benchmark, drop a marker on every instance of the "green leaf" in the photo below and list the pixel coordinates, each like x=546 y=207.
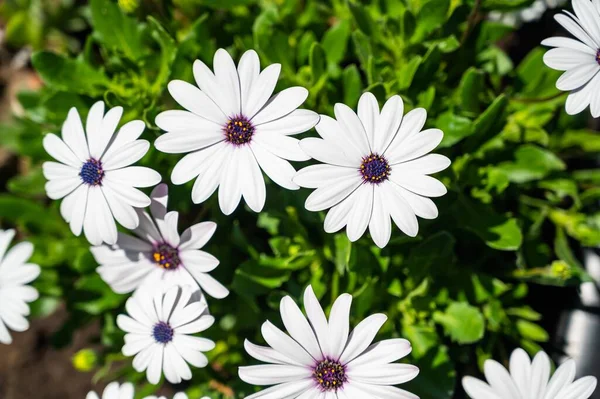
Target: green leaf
x=437 y=375
x=462 y=322
x=335 y=42
x=115 y=30
x=434 y=256
x=343 y=250
x=488 y=123
x=431 y=17
x=469 y=89
x=455 y=128
x=352 y=85
x=362 y=17
x=318 y=62
x=407 y=72
x=498 y=231
x=58 y=72
x=531 y=163
x=531 y=331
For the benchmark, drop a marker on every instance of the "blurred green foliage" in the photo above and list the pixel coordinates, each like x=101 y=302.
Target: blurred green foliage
x=517 y=211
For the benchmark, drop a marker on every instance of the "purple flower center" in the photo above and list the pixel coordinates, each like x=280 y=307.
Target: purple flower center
x=92 y=173
x=162 y=332
x=598 y=56
x=238 y=130
x=374 y=169
x=330 y=375
x=166 y=256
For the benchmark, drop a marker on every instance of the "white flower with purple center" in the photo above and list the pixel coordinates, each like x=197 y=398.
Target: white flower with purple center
x=15 y=293
x=93 y=173
x=234 y=127
x=321 y=359
x=159 y=256
x=158 y=331
x=527 y=379
x=580 y=59
x=114 y=391
x=179 y=395
x=376 y=166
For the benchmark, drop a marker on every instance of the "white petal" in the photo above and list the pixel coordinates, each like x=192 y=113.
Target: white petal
x=412 y=123
x=339 y=325
x=337 y=217
x=282 y=343
x=6 y=237
x=540 y=373
x=55 y=170
x=576 y=30
x=399 y=209
x=248 y=71
x=477 y=389
x=337 y=138
x=579 y=99
x=362 y=336
x=135 y=176
x=192 y=165
x=196 y=101
x=380 y=225
x=414 y=146
x=74 y=136
x=389 y=374
x=520 y=370
x=588 y=18
x=118 y=157
x=298 y=121
x=368 y=113
x=326 y=152
x=281 y=104
x=422 y=206
x=93 y=123
x=98 y=141
x=383 y=391
x=229 y=82
x=60 y=151
x=209 y=179
x=196 y=236
x=279 y=170
x=202 y=261
x=59 y=188
x=576 y=77
x=285 y=147
x=298 y=327
x=353 y=130
x=155 y=366
x=420 y=184
x=179 y=120
x=562 y=377
x=261 y=91
x=328 y=196
x=288 y=390
x=563 y=59
x=314 y=176
x=317 y=319
x=428 y=164
x=360 y=215
x=580 y=389
x=230 y=192
x=130 y=195
x=187 y=141
x=569 y=44
x=251 y=180
x=388 y=123
x=499 y=379
x=266 y=354
x=79 y=199
x=273 y=374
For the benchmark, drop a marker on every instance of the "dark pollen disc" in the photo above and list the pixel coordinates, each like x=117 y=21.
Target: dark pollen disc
x=238 y=130
x=162 y=332
x=598 y=56
x=166 y=256
x=375 y=169
x=92 y=173
x=330 y=375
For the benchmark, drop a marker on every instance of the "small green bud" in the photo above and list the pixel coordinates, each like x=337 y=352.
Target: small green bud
x=85 y=360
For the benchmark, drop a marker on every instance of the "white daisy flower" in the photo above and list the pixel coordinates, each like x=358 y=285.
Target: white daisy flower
x=93 y=173
x=159 y=255
x=375 y=166
x=114 y=391
x=580 y=59
x=319 y=358
x=530 y=380
x=233 y=128
x=15 y=294
x=158 y=328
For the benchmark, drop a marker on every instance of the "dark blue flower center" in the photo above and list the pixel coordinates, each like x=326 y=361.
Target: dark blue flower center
x=330 y=375
x=238 y=130
x=166 y=256
x=162 y=332
x=375 y=169
x=92 y=173
x=598 y=56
